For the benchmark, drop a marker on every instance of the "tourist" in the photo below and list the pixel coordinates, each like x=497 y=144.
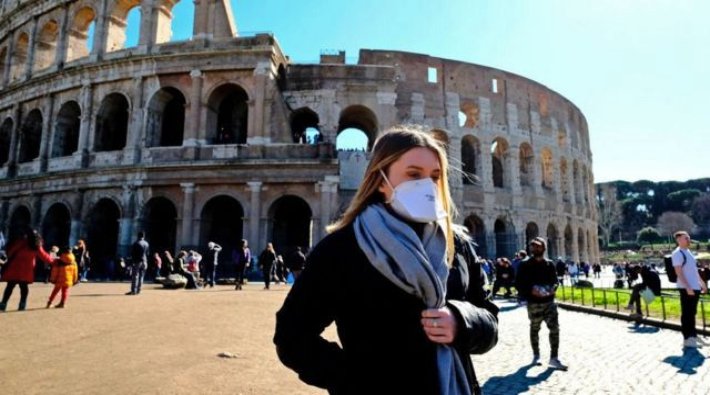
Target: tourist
x=267 y=259
x=391 y=279
x=296 y=262
x=139 y=263
x=210 y=263
x=649 y=280
x=537 y=283
x=690 y=287
x=504 y=277
x=83 y=259
x=242 y=259
x=65 y=274
x=22 y=254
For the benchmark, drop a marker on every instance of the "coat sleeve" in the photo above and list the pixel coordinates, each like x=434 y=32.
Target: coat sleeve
x=308 y=309
x=476 y=316
x=43 y=256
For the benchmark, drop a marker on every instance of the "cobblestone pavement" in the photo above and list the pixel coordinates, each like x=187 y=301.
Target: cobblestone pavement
x=605 y=356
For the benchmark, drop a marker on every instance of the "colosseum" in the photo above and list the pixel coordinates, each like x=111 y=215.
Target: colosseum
x=221 y=137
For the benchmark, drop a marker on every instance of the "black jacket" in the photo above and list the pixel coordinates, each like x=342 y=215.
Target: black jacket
x=383 y=348
x=532 y=272
x=651 y=279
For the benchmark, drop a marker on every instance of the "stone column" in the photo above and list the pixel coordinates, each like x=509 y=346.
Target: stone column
x=132 y=151
x=14 y=140
x=194 y=136
x=36 y=208
x=255 y=213
x=4 y=216
x=326 y=188
x=188 y=190
x=31 y=49
x=8 y=60
x=61 y=55
x=128 y=198
x=77 y=205
x=255 y=129
x=575 y=244
x=81 y=156
x=46 y=139
x=513 y=170
x=98 y=49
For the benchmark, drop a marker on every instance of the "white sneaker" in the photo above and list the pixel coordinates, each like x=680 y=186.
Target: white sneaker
x=556 y=364
x=536 y=361
x=691 y=342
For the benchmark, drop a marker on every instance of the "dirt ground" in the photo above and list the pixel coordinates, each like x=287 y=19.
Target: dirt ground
x=158 y=342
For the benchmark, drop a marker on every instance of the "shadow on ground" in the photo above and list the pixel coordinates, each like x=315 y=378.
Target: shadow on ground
x=515 y=383
x=688 y=362
x=638 y=328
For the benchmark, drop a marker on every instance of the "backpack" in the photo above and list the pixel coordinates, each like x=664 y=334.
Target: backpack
x=670 y=270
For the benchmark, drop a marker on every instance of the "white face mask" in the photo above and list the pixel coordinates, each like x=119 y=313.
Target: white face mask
x=416 y=200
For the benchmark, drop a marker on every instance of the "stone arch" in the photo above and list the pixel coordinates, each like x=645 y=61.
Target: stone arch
x=171 y=14
x=5 y=140
x=102 y=227
x=66 y=130
x=506 y=239
x=552 y=238
x=228 y=115
x=470 y=154
x=477 y=229
x=20 y=57
x=564 y=180
x=291 y=224
x=576 y=183
x=499 y=162
x=547 y=168
x=20 y=221
x=112 y=123
x=117 y=24
x=222 y=221
x=469 y=114
x=30 y=136
x=3 y=63
x=165 y=120
x=526 y=162
x=78 y=43
x=46 y=46
x=305 y=126
x=159 y=222
x=531 y=231
x=569 y=241
x=56 y=226
x=361 y=118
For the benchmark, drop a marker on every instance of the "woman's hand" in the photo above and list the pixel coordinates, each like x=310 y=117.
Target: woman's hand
x=439 y=325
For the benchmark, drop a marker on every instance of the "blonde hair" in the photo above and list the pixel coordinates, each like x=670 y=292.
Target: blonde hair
x=388 y=148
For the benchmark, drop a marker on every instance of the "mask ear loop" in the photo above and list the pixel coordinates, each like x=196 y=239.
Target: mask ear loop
x=389 y=185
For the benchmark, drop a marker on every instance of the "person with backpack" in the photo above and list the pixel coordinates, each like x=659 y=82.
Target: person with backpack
x=690 y=287
x=649 y=280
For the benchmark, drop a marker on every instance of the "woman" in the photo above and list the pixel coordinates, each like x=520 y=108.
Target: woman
x=19 y=270
x=81 y=253
x=267 y=258
x=405 y=294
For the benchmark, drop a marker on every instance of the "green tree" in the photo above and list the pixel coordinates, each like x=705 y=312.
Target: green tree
x=648 y=234
x=681 y=200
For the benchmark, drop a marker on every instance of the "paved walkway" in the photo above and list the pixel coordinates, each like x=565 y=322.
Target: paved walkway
x=605 y=356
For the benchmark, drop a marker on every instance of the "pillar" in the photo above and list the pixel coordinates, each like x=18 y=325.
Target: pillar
x=31 y=49
x=8 y=59
x=327 y=189
x=77 y=205
x=61 y=55
x=46 y=139
x=193 y=135
x=132 y=151
x=14 y=140
x=255 y=213
x=81 y=156
x=98 y=49
x=188 y=189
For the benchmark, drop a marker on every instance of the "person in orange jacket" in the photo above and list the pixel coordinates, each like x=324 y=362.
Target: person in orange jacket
x=65 y=274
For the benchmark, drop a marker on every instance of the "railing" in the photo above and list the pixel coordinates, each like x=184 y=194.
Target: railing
x=665 y=307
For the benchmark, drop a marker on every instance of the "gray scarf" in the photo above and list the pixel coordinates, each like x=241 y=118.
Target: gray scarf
x=417 y=266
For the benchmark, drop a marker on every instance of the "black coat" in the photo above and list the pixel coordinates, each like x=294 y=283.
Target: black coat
x=383 y=348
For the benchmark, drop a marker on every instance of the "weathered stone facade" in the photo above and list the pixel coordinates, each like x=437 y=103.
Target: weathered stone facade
x=200 y=140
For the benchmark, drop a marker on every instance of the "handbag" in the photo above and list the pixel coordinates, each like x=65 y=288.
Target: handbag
x=647 y=295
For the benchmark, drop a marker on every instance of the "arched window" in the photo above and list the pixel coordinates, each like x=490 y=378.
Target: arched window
x=304 y=126
x=291 y=224
x=499 y=159
x=576 y=182
x=165 y=123
x=112 y=123
x=470 y=152
x=228 y=114
x=547 y=168
x=360 y=118
x=123 y=25
x=506 y=240
x=552 y=236
x=81 y=35
x=468 y=115
x=46 y=47
x=19 y=59
x=160 y=224
x=66 y=130
x=526 y=163
x=175 y=22
x=477 y=230
x=30 y=137
x=569 y=240
x=5 y=139
x=3 y=63
x=531 y=232
x=564 y=179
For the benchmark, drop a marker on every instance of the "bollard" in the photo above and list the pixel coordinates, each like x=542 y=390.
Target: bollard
x=617 y=301
x=604 y=297
x=582 y=293
x=663 y=307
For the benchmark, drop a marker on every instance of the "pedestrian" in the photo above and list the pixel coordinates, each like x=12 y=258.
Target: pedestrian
x=561 y=269
x=83 y=259
x=404 y=293
x=178 y=265
x=649 y=280
x=242 y=259
x=65 y=274
x=22 y=254
x=210 y=263
x=47 y=267
x=267 y=259
x=597 y=269
x=139 y=262
x=537 y=282
x=296 y=262
x=193 y=263
x=505 y=277
x=690 y=287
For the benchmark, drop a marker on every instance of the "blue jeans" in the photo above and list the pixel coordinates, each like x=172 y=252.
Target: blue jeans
x=137 y=275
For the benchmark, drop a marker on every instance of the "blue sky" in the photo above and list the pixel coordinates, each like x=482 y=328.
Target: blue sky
x=638 y=69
